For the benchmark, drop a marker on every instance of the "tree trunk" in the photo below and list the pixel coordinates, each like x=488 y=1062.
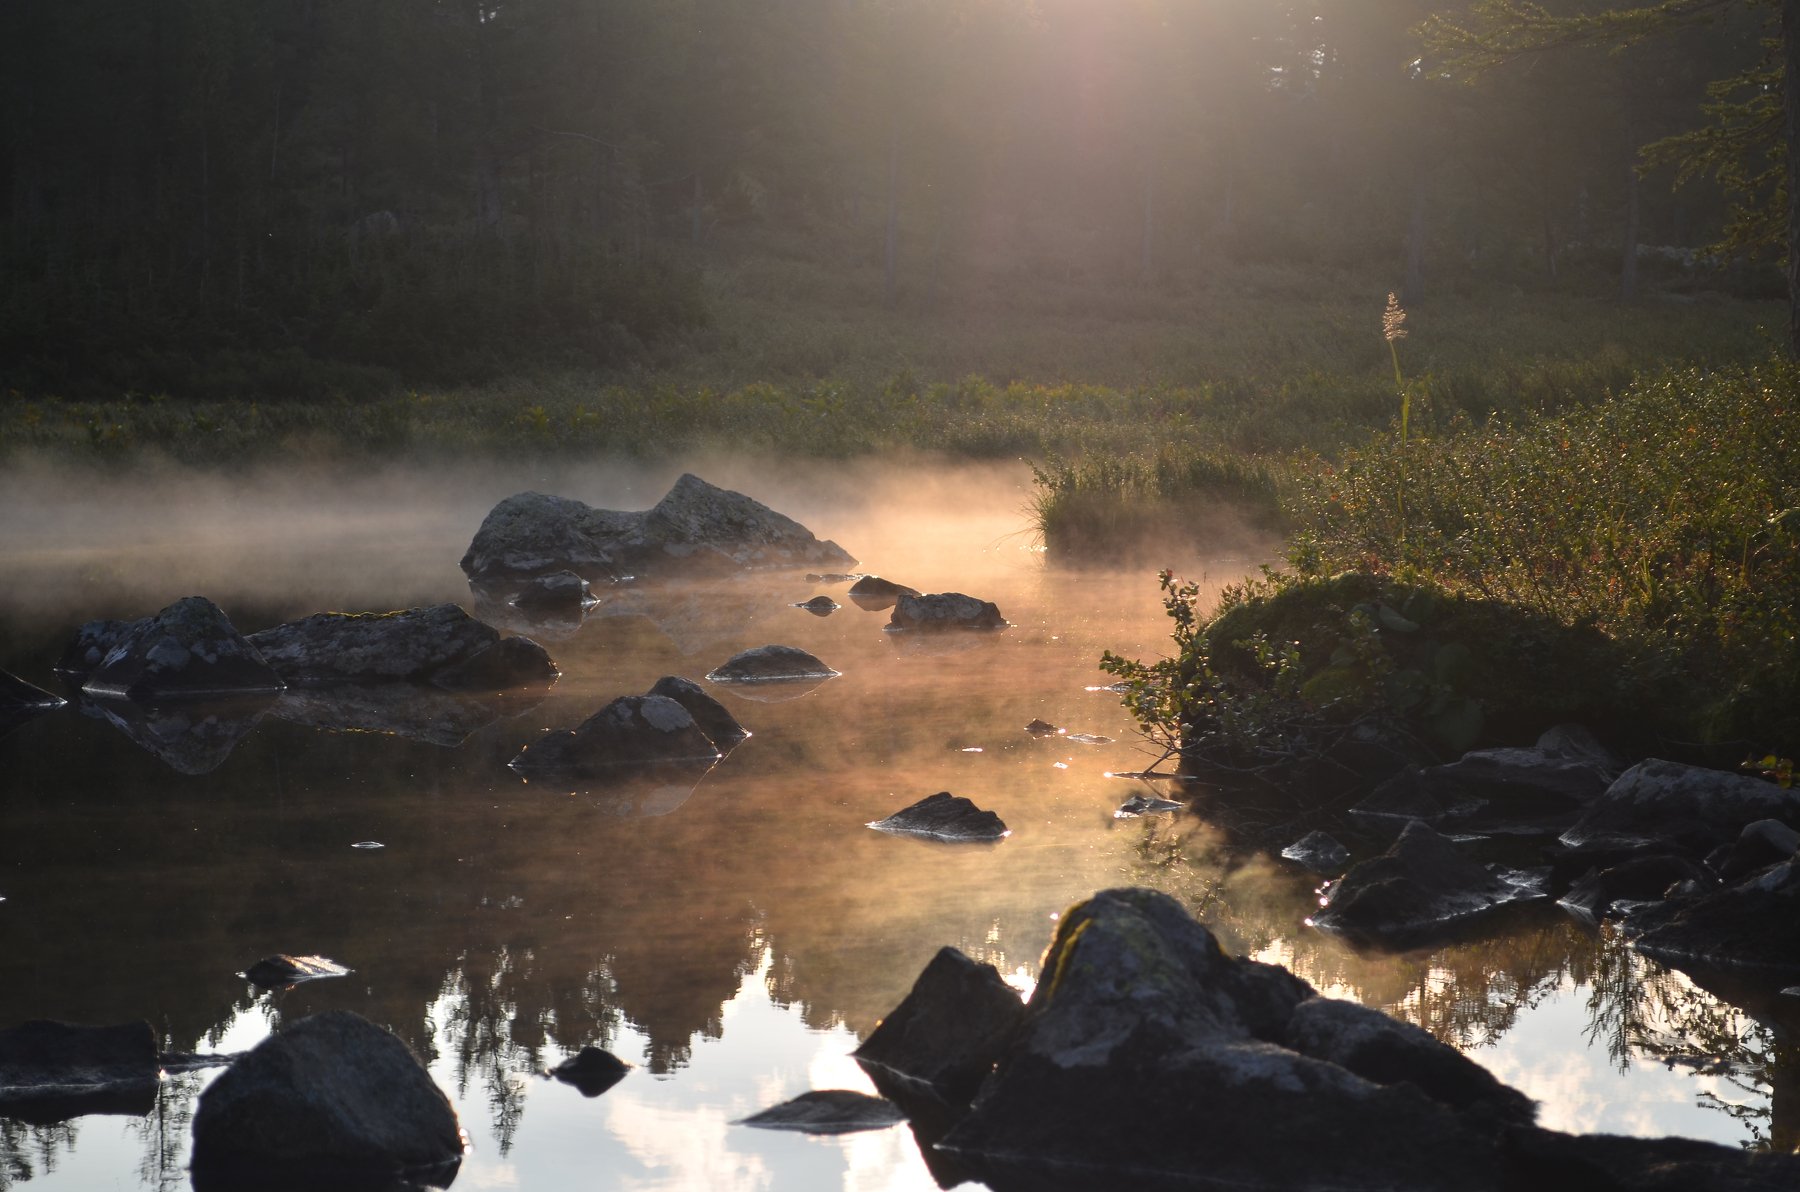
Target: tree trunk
x=890 y=281
x=1413 y=290
x=1628 y=264
x=1145 y=254
x=1790 y=95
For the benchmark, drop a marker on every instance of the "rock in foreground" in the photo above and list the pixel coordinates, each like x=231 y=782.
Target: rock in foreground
x=697 y=528
x=333 y=1096
x=943 y=1040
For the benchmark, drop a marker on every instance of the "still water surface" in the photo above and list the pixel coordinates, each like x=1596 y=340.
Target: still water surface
x=732 y=941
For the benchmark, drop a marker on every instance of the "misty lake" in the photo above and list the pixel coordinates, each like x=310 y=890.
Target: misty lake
x=734 y=941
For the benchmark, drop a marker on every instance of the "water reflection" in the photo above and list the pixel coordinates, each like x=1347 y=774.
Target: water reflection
x=732 y=935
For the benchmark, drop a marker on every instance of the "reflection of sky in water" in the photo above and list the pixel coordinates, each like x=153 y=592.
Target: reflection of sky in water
x=733 y=947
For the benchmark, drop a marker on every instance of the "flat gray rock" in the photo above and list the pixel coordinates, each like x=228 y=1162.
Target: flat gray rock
x=282 y=971
x=441 y=645
x=940 y=611
x=1667 y=805
x=828 y=1111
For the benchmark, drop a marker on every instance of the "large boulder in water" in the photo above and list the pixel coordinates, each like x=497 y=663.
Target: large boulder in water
x=188 y=649
x=937 y=611
x=633 y=730
x=771 y=664
x=1146 y=1049
x=1418 y=889
x=1666 y=805
x=332 y=1097
x=697 y=528
x=442 y=645
x=714 y=719
x=944 y=1038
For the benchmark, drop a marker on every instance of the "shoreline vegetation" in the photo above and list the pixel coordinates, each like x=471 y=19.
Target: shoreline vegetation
x=1624 y=467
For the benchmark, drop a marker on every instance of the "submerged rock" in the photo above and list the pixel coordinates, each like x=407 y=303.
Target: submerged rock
x=945 y=1036
x=441 y=645
x=283 y=971
x=633 y=730
x=21 y=701
x=429 y=714
x=828 y=1111
x=187 y=650
x=52 y=1071
x=697 y=528
x=945 y=610
x=819 y=606
x=1319 y=852
x=1042 y=728
x=944 y=816
x=592 y=1071
x=1420 y=887
x=766 y=664
x=333 y=1097
x=1639 y=879
x=1139 y=805
x=714 y=719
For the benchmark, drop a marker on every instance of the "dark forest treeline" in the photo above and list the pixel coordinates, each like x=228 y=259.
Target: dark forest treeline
x=441 y=189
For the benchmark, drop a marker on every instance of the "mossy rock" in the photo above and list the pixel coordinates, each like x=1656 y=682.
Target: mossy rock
x=1463 y=671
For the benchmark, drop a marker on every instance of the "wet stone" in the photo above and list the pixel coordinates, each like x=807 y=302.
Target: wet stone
x=714 y=719
x=766 y=664
x=828 y=1111
x=592 y=1071
x=282 y=971
x=874 y=585
x=1139 y=805
x=1640 y=879
x=332 y=1097
x=819 y=606
x=1087 y=739
x=944 y=1037
x=1319 y=852
x=831 y=577
x=557 y=590
x=1042 y=728
x=187 y=650
x=944 y=816
x=631 y=731
x=1420 y=887
x=940 y=611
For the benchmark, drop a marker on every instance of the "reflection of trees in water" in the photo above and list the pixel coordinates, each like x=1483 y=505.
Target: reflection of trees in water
x=1642 y=1010
x=163 y=1133
x=27 y=1151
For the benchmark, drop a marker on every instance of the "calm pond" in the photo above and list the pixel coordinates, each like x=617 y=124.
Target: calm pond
x=732 y=942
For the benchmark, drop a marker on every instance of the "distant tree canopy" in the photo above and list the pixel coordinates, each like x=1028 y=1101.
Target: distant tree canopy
x=448 y=187
x=1752 y=110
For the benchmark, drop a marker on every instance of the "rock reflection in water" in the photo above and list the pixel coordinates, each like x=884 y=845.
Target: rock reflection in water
x=442 y=718
x=191 y=736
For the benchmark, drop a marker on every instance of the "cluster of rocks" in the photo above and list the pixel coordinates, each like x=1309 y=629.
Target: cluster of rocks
x=1700 y=864
x=1146 y=1052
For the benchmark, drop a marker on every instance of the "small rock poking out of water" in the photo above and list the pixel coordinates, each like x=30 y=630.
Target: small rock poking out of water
x=1042 y=728
x=873 y=594
x=329 y=1101
x=592 y=1071
x=945 y=816
x=368 y=844
x=771 y=664
x=1087 y=738
x=280 y=972
x=831 y=577
x=720 y=726
x=558 y=590
x=1319 y=852
x=828 y=1111
x=1145 y=805
x=940 y=611
x=819 y=606
x=633 y=730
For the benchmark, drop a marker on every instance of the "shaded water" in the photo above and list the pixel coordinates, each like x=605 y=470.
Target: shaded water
x=732 y=940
